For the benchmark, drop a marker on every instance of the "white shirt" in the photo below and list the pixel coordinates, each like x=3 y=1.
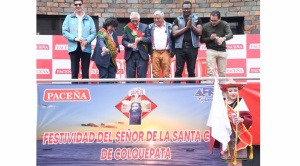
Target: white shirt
x=79 y=24
x=160 y=38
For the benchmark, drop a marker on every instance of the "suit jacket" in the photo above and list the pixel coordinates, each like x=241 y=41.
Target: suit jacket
x=105 y=59
x=128 y=39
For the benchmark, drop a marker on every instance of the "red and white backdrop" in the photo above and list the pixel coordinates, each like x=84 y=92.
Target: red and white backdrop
x=53 y=61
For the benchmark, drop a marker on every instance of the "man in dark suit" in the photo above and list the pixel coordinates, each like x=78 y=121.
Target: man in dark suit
x=135 y=40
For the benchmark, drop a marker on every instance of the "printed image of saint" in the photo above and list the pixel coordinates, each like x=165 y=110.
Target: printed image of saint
x=135 y=113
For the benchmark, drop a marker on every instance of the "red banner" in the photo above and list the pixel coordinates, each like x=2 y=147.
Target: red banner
x=251 y=95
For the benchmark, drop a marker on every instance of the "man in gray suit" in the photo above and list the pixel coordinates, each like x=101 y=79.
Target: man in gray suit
x=135 y=39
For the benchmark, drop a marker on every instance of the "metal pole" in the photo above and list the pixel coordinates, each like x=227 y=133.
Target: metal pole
x=124 y=80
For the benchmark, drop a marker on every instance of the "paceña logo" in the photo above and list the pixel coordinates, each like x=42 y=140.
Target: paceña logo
x=61 y=47
x=255 y=70
x=62 y=95
x=42 y=71
x=63 y=71
x=235 y=70
x=254 y=46
x=42 y=47
x=235 y=46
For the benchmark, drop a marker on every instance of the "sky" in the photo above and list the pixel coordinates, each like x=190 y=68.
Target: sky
x=277 y=77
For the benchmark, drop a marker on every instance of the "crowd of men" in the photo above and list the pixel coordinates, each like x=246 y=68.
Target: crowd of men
x=158 y=41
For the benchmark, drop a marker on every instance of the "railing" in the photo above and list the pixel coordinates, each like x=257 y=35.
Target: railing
x=148 y=80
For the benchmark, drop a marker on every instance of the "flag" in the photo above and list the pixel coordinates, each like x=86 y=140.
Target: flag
x=218 y=118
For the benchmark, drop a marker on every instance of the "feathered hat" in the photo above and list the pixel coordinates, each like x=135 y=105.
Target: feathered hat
x=231 y=83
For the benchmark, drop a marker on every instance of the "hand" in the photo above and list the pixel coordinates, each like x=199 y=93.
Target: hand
x=138 y=39
x=83 y=43
x=238 y=120
x=213 y=36
x=189 y=23
x=132 y=45
x=79 y=39
x=104 y=51
x=220 y=40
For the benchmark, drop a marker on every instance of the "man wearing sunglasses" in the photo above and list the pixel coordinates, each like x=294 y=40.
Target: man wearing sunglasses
x=135 y=39
x=80 y=30
x=214 y=35
x=187 y=29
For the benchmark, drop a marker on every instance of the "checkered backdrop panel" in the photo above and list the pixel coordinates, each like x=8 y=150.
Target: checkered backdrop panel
x=53 y=59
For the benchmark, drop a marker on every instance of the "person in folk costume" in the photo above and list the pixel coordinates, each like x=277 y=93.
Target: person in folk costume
x=240 y=120
x=107 y=49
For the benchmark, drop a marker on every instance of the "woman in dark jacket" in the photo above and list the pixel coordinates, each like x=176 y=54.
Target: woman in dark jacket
x=107 y=48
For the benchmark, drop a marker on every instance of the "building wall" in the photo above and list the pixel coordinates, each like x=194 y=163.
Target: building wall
x=249 y=9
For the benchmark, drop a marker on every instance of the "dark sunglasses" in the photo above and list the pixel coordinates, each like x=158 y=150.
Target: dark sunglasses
x=78 y=4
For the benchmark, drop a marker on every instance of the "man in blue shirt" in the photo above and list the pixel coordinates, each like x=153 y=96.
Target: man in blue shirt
x=80 y=30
